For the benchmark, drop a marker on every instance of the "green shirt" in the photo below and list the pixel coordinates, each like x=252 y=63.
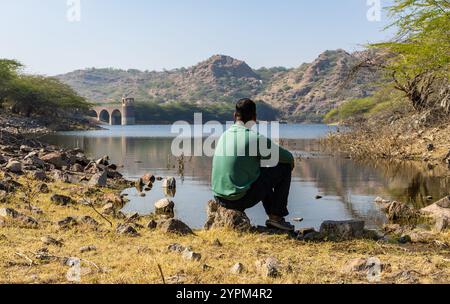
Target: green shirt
x=234 y=171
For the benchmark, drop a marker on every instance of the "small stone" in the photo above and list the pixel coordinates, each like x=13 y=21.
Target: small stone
x=165 y=207
x=176 y=226
x=127 y=229
x=268 y=267
x=404 y=239
x=318 y=197
x=99 y=179
x=176 y=248
x=152 y=225
x=206 y=267
x=313 y=237
x=67 y=223
x=77 y=168
x=191 y=255
x=9 y=213
x=48 y=240
x=87 y=220
x=61 y=199
x=71 y=261
x=14 y=166
x=88 y=249
x=430 y=147
x=342 y=230
x=108 y=209
x=238 y=268
x=43 y=188
x=217 y=243
x=25 y=149
x=148 y=179
x=356 y=265
x=3 y=195
x=39 y=175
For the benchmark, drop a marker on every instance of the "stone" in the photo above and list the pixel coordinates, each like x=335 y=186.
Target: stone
x=127 y=229
x=16 y=218
x=217 y=243
x=43 y=188
x=148 y=179
x=169 y=182
x=441 y=224
x=398 y=212
x=48 y=240
x=165 y=207
x=313 y=236
x=268 y=267
x=25 y=149
x=220 y=217
x=439 y=209
x=104 y=161
x=14 y=166
x=238 y=268
x=404 y=239
x=77 y=168
x=430 y=147
x=108 y=209
x=3 y=160
x=99 y=179
x=8 y=213
x=191 y=255
x=3 y=195
x=39 y=175
x=318 y=197
x=176 y=248
x=356 y=265
x=139 y=184
x=67 y=223
x=61 y=200
x=152 y=225
x=88 y=249
x=58 y=159
x=87 y=220
x=304 y=231
x=342 y=230
x=35 y=161
x=175 y=226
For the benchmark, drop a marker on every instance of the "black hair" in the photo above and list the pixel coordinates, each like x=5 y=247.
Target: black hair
x=245 y=110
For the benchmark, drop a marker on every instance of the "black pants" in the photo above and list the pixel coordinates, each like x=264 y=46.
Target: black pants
x=271 y=188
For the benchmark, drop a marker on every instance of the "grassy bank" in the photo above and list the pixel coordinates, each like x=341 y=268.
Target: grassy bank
x=125 y=259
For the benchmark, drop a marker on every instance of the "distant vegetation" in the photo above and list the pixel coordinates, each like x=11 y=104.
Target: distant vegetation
x=36 y=95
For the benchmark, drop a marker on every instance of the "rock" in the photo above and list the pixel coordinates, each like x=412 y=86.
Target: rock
x=108 y=209
x=165 y=207
x=206 y=267
x=148 y=179
x=169 y=182
x=152 y=225
x=88 y=249
x=313 y=236
x=77 y=168
x=404 y=239
x=48 y=240
x=304 y=231
x=438 y=209
x=35 y=161
x=176 y=226
x=217 y=243
x=139 y=185
x=99 y=179
x=39 y=175
x=58 y=159
x=61 y=199
x=318 y=197
x=220 y=217
x=191 y=255
x=400 y=212
x=3 y=195
x=104 y=161
x=70 y=261
x=238 y=268
x=3 y=160
x=87 y=220
x=441 y=224
x=268 y=267
x=14 y=166
x=342 y=230
x=430 y=147
x=36 y=210
x=9 y=215
x=43 y=188
x=67 y=223
x=176 y=248
x=25 y=149
x=356 y=265
x=127 y=229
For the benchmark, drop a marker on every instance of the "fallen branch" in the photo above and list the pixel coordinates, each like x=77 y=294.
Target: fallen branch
x=25 y=257
x=162 y=274
x=86 y=202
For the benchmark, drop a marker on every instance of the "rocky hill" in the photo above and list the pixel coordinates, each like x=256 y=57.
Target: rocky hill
x=303 y=93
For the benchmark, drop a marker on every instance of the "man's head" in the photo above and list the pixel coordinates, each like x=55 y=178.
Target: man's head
x=245 y=110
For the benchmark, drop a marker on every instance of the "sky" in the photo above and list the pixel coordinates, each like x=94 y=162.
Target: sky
x=49 y=38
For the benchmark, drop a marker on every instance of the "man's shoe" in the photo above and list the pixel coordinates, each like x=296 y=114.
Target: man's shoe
x=280 y=224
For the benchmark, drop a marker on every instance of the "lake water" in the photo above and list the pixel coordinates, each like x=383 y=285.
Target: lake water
x=348 y=187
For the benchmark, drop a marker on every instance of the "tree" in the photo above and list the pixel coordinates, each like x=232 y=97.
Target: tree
x=8 y=72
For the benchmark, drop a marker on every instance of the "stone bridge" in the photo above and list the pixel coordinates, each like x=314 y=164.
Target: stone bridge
x=120 y=114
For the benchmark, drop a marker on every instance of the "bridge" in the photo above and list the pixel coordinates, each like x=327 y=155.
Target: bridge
x=120 y=114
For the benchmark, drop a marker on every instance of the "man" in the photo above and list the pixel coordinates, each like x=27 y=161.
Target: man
x=239 y=182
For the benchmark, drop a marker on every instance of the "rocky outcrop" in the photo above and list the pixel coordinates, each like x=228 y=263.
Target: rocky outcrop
x=220 y=217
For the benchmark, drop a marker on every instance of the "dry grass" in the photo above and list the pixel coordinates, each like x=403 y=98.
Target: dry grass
x=123 y=259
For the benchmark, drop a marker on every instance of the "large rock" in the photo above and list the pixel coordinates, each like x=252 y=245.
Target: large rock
x=165 y=207
x=14 y=166
x=61 y=200
x=9 y=215
x=58 y=159
x=99 y=179
x=175 y=226
x=342 y=230
x=220 y=217
x=438 y=209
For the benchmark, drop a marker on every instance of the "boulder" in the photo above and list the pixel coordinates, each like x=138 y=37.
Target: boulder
x=438 y=209
x=35 y=161
x=148 y=179
x=99 y=179
x=39 y=175
x=169 y=182
x=67 y=223
x=58 y=159
x=342 y=230
x=165 y=207
x=175 y=226
x=14 y=166
x=61 y=200
x=104 y=161
x=127 y=229
x=220 y=217
x=152 y=225
x=268 y=267
x=16 y=218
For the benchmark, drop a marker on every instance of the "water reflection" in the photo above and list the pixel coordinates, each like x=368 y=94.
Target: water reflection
x=348 y=187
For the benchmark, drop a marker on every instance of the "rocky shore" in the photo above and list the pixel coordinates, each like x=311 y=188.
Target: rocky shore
x=61 y=221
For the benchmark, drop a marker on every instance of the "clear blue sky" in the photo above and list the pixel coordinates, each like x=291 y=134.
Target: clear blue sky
x=157 y=34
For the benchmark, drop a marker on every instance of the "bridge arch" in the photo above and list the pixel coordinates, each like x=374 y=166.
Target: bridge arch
x=123 y=114
x=103 y=116
x=116 y=117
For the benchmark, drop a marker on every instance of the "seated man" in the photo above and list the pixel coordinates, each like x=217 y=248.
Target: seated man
x=238 y=180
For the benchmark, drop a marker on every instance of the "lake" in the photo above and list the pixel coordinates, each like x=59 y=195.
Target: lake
x=348 y=187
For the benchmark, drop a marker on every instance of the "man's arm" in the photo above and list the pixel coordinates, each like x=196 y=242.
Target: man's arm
x=285 y=157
